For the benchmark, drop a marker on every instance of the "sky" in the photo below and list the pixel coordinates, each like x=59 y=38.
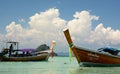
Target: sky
x=92 y=23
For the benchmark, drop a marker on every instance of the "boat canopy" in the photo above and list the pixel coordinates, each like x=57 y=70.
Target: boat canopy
x=110 y=50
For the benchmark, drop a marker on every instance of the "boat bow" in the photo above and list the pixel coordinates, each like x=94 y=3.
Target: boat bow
x=70 y=42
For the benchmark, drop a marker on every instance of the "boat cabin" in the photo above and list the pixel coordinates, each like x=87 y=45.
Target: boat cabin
x=12 y=49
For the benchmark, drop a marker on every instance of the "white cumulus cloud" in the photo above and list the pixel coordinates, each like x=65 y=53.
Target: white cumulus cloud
x=81 y=25
x=104 y=35
x=43 y=28
x=82 y=32
x=47 y=26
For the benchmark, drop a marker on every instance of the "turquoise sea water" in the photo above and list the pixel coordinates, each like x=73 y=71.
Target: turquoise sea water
x=57 y=65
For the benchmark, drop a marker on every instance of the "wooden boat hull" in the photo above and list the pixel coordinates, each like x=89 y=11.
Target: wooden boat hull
x=86 y=57
x=40 y=57
x=91 y=58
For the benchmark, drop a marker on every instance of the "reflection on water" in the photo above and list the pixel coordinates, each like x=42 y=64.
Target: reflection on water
x=57 y=65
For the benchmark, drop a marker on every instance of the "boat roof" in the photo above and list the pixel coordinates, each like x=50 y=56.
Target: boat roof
x=12 y=42
x=28 y=49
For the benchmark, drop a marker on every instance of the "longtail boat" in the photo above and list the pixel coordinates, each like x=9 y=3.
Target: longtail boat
x=87 y=57
x=10 y=54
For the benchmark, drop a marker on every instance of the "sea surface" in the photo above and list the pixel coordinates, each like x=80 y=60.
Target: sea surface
x=56 y=65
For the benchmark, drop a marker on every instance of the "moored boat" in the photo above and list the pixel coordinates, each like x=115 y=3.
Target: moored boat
x=86 y=57
x=15 y=54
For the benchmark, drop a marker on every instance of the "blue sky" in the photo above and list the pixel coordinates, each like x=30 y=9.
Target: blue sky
x=13 y=10
x=17 y=10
